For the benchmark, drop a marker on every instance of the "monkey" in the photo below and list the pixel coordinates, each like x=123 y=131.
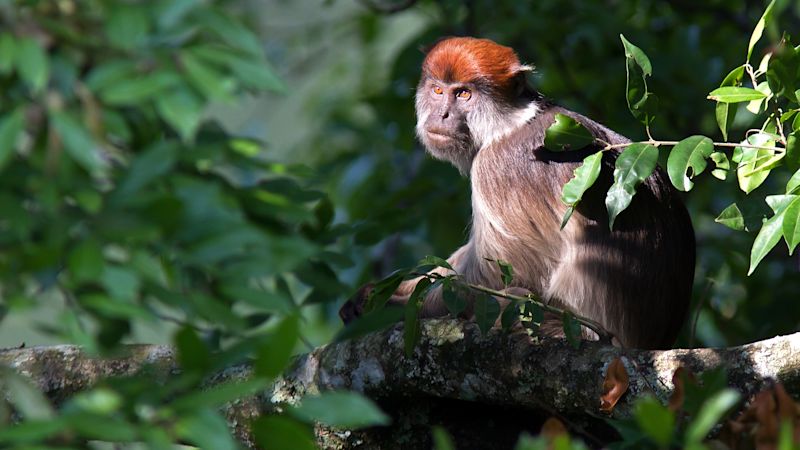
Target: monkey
x=476 y=109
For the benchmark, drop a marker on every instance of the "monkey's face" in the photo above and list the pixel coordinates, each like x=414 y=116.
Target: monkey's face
x=443 y=111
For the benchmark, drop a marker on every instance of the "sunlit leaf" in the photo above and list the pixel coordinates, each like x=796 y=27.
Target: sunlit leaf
x=687 y=160
x=566 y=134
x=791 y=225
x=735 y=94
x=731 y=217
x=749 y=158
x=584 y=177
x=722 y=165
x=768 y=236
x=641 y=103
x=758 y=31
x=633 y=165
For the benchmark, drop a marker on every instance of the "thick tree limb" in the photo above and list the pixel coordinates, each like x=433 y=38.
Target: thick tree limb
x=452 y=362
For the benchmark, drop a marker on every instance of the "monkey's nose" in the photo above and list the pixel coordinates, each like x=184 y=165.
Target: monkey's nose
x=445 y=115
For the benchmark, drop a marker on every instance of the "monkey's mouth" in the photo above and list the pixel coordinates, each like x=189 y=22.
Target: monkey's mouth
x=439 y=134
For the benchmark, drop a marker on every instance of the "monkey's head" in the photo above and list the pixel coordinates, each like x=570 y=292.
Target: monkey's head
x=472 y=93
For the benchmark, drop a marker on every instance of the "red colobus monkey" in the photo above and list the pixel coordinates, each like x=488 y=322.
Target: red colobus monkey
x=476 y=110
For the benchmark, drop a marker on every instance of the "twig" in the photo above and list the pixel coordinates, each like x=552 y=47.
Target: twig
x=604 y=335
x=655 y=143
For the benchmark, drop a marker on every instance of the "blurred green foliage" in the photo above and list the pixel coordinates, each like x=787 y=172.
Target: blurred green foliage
x=225 y=173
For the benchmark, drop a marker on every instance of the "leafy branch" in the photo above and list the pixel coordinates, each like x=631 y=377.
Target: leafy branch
x=773 y=93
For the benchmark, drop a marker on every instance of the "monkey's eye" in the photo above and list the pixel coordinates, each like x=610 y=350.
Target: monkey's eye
x=464 y=94
x=437 y=90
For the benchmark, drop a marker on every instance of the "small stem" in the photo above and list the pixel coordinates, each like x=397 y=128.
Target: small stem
x=604 y=335
x=716 y=144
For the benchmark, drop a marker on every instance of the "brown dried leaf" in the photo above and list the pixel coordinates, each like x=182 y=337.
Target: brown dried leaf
x=758 y=426
x=553 y=428
x=679 y=379
x=614 y=385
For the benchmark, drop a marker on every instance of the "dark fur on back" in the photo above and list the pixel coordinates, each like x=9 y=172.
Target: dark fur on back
x=636 y=279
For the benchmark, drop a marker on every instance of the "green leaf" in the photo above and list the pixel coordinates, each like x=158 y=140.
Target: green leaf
x=11 y=127
x=182 y=110
x=29 y=402
x=735 y=94
x=768 y=236
x=434 y=261
x=793 y=150
x=791 y=225
x=655 y=420
x=281 y=433
x=138 y=90
x=566 y=134
x=193 y=353
x=752 y=170
x=710 y=414
x=255 y=73
x=32 y=64
x=275 y=353
x=412 y=330
x=85 y=261
x=207 y=80
x=633 y=165
x=572 y=329
x=725 y=114
x=8 y=52
x=722 y=165
x=486 y=312
x=442 y=439
x=384 y=289
x=793 y=183
x=221 y=394
x=506 y=272
x=583 y=178
x=127 y=26
x=510 y=315
x=641 y=103
x=78 y=143
x=688 y=160
x=454 y=298
x=99 y=400
x=341 y=409
x=731 y=217
x=759 y=105
x=375 y=320
x=150 y=165
x=758 y=31
x=205 y=429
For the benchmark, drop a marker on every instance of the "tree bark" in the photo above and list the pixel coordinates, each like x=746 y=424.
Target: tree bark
x=478 y=386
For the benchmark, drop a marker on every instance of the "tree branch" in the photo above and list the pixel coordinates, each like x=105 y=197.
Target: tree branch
x=452 y=362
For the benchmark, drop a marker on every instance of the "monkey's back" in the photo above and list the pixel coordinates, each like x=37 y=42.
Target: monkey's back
x=636 y=280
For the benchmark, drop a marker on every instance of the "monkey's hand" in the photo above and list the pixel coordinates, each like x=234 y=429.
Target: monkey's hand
x=354 y=307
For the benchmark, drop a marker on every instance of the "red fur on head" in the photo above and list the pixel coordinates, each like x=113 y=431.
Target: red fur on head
x=467 y=59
